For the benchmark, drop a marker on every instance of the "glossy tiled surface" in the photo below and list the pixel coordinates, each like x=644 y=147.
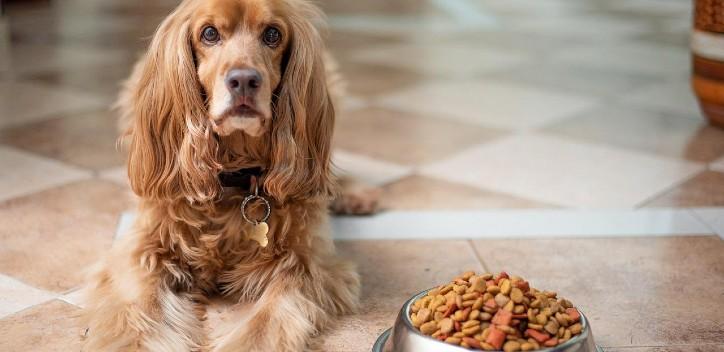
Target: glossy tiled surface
x=635 y=291
x=452 y=104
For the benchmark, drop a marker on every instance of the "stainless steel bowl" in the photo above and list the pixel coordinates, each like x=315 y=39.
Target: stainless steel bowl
x=403 y=337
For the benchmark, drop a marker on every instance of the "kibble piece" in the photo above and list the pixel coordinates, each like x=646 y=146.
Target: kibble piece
x=428 y=328
x=511 y=346
x=470 y=323
x=424 y=315
x=453 y=340
x=472 y=342
x=478 y=303
x=446 y=325
x=501 y=299
x=471 y=330
x=493 y=289
x=516 y=295
x=505 y=286
x=551 y=326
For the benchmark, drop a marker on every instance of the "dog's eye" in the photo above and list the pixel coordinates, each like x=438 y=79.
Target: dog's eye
x=210 y=35
x=272 y=36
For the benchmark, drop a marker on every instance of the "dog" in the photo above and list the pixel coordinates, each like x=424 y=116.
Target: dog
x=228 y=89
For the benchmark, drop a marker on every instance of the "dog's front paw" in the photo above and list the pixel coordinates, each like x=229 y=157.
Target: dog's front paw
x=358 y=200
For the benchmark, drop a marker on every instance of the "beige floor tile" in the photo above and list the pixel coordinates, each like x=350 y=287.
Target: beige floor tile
x=639 y=129
x=87 y=140
x=368 y=170
x=102 y=80
x=523 y=8
x=16 y=296
x=638 y=58
x=369 y=80
x=22 y=173
x=52 y=326
x=117 y=174
x=675 y=97
x=590 y=27
x=436 y=59
x=643 y=7
x=374 y=7
x=25 y=102
x=590 y=81
x=30 y=58
x=684 y=348
x=704 y=190
x=492 y=103
x=635 y=291
x=406 y=138
x=392 y=271
x=342 y=43
x=562 y=172
x=421 y=192
x=54 y=250
x=539 y=47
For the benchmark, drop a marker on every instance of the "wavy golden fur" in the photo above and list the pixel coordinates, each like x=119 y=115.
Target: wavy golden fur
x=189 y=241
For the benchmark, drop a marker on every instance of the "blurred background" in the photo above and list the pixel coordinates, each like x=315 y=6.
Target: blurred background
x=556 y=139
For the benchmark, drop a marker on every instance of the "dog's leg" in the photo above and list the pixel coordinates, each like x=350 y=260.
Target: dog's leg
x=355 y=198
x=295 y=306
x=131 y=308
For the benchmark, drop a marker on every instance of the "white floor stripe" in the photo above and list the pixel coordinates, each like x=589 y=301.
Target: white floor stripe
x=520 y=224
x=527 y=223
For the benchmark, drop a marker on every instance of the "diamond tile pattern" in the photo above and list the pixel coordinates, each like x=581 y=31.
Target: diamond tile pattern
x=452 y=104
x=489 y=103
x=406 y=138
x=667 y=134
x=16 y=296
x=22 y=102
x=23 y=173
x=566 y=173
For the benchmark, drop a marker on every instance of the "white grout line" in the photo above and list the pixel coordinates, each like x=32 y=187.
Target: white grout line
x=522 y=223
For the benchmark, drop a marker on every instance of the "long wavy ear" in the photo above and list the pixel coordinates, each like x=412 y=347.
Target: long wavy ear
x=173 y=150
x=303 y=118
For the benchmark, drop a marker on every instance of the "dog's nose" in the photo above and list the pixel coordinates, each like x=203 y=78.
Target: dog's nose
x=243 y=81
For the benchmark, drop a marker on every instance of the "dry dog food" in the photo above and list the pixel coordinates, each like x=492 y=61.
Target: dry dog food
x=495 y=312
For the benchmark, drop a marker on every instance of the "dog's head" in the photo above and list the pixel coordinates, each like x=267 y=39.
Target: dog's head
x=216 y=68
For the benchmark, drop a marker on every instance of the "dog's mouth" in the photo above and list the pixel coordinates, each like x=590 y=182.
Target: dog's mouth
x=244 y=115
x=244 y=111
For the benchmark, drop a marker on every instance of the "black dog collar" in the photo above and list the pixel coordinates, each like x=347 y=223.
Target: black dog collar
x=241 y=178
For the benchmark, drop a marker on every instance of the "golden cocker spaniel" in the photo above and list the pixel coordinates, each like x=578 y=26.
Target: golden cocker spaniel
x=233 y=88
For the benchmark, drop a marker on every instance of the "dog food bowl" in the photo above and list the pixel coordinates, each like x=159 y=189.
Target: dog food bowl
x=403 y=337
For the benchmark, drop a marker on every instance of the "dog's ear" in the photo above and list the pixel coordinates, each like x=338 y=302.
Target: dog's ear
x=173 y=150
x=303 y=118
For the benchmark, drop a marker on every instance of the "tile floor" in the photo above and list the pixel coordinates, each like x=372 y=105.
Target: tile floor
x=566 y=115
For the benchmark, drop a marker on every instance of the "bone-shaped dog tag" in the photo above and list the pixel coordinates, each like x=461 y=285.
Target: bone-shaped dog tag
x=258 y=233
